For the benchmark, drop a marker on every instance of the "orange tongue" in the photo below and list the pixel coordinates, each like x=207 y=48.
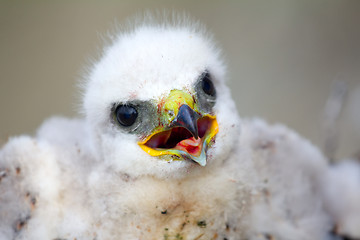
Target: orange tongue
x=191 y=146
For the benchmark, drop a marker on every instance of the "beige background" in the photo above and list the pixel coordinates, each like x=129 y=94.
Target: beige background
x=282 y=57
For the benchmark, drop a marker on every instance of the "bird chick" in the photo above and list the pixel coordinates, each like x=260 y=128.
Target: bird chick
x=162 y=153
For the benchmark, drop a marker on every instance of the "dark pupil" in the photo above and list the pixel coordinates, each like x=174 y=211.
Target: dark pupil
x=126 y=115
x=208 y=86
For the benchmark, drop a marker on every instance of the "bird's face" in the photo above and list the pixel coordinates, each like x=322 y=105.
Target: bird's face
x=156 y=104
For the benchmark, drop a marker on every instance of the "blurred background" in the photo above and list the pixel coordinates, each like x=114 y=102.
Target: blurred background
x=283 y=58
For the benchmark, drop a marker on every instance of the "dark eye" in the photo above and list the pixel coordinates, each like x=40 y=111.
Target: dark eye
x=207 y=85
x=126 y=115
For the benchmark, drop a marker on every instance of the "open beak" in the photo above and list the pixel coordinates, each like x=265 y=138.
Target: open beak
x=184 y=133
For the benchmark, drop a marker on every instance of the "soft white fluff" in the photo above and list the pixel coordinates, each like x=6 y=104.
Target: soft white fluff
x=88 y=178
x=343 y=197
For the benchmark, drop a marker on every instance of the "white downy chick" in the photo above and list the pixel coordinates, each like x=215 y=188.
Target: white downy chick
x=163 y=154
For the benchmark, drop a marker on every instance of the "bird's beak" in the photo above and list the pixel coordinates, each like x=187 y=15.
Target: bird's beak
x=184 y=132
x=187 y=118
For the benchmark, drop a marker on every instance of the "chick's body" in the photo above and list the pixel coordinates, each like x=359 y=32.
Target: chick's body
x=244 y=198
x=129 y=170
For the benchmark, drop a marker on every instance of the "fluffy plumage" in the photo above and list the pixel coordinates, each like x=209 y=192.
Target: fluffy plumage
x=89 y=179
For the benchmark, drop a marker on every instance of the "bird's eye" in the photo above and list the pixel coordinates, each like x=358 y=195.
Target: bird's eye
x=126 y=115
x=207 y=85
